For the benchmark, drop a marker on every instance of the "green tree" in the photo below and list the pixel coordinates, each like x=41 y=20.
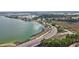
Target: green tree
x=61 y=42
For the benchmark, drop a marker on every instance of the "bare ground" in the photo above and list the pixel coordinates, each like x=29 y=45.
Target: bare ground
x=72 y=27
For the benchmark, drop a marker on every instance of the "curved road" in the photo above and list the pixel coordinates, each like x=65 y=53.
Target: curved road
x=52 y=31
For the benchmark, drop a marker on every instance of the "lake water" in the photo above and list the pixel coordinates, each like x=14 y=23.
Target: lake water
x=12 y=30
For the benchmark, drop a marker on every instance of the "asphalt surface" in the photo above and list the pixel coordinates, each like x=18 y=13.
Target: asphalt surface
x=52 y=31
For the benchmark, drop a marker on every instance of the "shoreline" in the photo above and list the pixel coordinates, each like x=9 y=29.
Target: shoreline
x=37 y=40
x=13 y=44
x=32 y=37
x=35 y=36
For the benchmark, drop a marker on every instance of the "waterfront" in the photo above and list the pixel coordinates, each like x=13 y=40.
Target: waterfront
x=16 y=30
x=31 y=30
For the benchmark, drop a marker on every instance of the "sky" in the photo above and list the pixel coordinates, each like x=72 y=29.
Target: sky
x=39 y=5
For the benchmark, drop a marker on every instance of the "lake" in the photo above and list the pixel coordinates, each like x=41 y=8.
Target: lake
x=12 y=30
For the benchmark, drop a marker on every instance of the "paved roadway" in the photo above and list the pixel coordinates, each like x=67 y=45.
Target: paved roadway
x=52 y=31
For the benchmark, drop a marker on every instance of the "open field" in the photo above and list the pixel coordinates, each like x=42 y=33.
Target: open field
x=69 y=26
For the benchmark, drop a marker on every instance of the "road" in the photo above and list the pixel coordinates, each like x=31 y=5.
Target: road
x=74 y=44
x=52 y=31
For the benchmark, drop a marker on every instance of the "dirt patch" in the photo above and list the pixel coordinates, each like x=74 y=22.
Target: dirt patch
x=69 y=26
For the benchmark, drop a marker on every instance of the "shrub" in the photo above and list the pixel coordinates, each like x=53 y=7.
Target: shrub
x=61 y=42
